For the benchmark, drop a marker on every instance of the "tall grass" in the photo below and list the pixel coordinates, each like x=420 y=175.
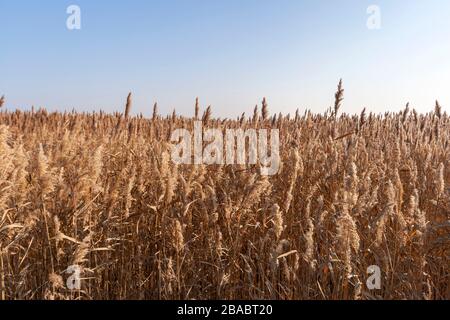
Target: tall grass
x=100 y=191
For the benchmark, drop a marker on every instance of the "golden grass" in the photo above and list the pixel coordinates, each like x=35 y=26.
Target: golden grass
x=100 y=191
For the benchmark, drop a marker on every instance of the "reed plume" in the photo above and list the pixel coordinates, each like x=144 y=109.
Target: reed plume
x=128 y=106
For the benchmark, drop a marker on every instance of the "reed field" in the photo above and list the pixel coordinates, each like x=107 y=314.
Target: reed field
x=100 y=191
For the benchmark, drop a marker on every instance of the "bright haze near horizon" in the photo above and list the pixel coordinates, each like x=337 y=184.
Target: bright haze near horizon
x=229 y=53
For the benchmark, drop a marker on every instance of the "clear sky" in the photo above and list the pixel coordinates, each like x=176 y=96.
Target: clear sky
x=230 y=53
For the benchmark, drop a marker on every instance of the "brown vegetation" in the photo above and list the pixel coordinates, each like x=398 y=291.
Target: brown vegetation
x=101 y=192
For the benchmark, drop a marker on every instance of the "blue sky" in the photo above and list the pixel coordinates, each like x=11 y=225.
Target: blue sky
x=230 y=53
